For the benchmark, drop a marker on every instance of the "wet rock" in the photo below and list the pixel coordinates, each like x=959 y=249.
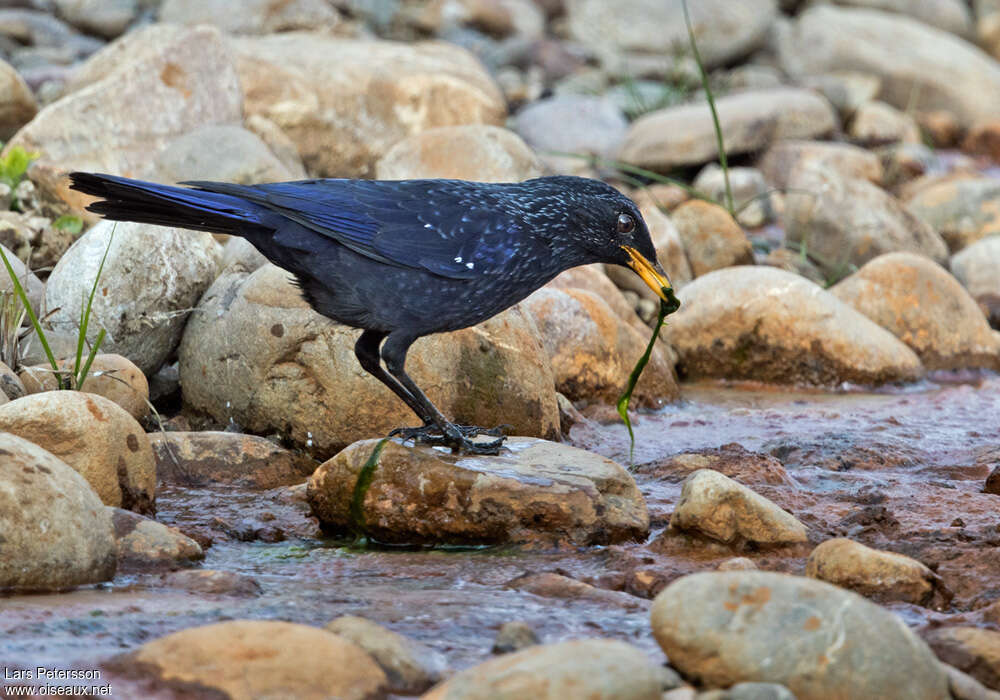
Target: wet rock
x=223 y=153
x=963 y=211
x=711 y=237
x=876 y=574
x=254 y=352
x=877 y=123
x=534 y=491
x=921 y=68
x=140 y=93
x=984 y=139
x=992 y=484
x=925 y=307
x=212 y=582
x=751 y=200
x=107 y=18
x=598 y=669
x=195 y=458
x=56 y=532
x=725 y=31
x=751 y=121
x=578 y=124
x=732 y=460
x=845 y=221
x=550 y=585
x=717 y=507
x=785 y=330
x=514 y=636
x=478 y=152
x=145 y=544
x=152 y=278
x=96 y=437
x=253 y=17
x=33 y=286
x=345 y=102
x=245 y=659
x=974 y=650
x=592 y=349
x=818 y=640
x=17 y=103
x=410 y=666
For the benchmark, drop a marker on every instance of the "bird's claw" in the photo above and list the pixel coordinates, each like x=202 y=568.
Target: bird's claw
x=458 y=437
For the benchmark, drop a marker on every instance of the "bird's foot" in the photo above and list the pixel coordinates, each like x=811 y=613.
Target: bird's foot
x=457 y=437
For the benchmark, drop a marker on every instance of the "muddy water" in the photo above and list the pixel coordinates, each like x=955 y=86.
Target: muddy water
x=901 y=469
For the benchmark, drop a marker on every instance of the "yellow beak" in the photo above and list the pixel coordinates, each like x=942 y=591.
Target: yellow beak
x=651 y=273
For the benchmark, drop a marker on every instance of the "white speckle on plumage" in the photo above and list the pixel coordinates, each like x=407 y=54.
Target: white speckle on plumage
x=458 y=259
x=469 y=265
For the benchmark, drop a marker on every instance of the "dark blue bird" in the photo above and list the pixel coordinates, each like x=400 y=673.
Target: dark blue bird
x=404 y=259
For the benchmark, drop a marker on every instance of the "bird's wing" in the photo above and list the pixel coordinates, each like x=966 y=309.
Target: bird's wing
x=448 y=227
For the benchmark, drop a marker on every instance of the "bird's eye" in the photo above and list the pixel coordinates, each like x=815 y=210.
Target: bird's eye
x=626 y=223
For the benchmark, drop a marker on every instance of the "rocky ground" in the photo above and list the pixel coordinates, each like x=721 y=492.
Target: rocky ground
x=810 y=509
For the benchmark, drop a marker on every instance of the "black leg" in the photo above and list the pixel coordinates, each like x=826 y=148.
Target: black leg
x=394 y=355
x=367 y=352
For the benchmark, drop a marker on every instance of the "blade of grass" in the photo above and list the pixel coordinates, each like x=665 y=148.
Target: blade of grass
x=23 y=296
x=723 y=161
x=82 y=376
x=85 y=319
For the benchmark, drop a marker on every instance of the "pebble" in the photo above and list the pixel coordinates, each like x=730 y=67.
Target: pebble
x=145 y=545
x=514 y=636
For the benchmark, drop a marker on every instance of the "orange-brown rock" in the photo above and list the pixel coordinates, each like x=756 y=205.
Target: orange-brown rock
x=876 y=574
x=711 y=237
x=533 y=492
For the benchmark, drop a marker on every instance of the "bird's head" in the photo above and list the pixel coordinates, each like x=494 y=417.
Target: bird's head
x=605 y=226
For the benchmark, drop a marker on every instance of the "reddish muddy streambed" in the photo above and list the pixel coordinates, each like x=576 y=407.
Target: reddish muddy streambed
x=902 y=469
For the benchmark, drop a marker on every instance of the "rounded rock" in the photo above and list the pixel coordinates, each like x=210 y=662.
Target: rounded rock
x=256 y=353
x=152 y=278
x=881 y=576
x=974 y=650
x=711 y=237
x=533 y=492
x=962 y=210
x=820 y=641
x=785 y=329
x=478 y=152
x=596 y=669
x=850 y=162
x=925 y=307
x=56 y=532
x=410 y=666
x=145 y=544
x=96 y=437
x=717 y=507
x=247 y=659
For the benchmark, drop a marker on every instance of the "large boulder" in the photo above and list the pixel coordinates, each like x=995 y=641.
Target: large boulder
x=842 y=222
x=93 y=435
x=596 y=669
x=921 y=68
x=246 y=659
x=138 y=95
x=478 y=152
x=750 y=121
x=725 y=31
x=345 y=102
x=925 y=307
x=772 y=325
x=822 y=642
x=592 y=349
x=532 y=492
x=254 y=352
x=152 y=278
x=56 y=532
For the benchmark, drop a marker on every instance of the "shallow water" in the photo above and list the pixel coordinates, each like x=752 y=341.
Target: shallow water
x=902 y=469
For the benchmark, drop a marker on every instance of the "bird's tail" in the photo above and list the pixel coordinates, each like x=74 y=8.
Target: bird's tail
x=123 y=199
